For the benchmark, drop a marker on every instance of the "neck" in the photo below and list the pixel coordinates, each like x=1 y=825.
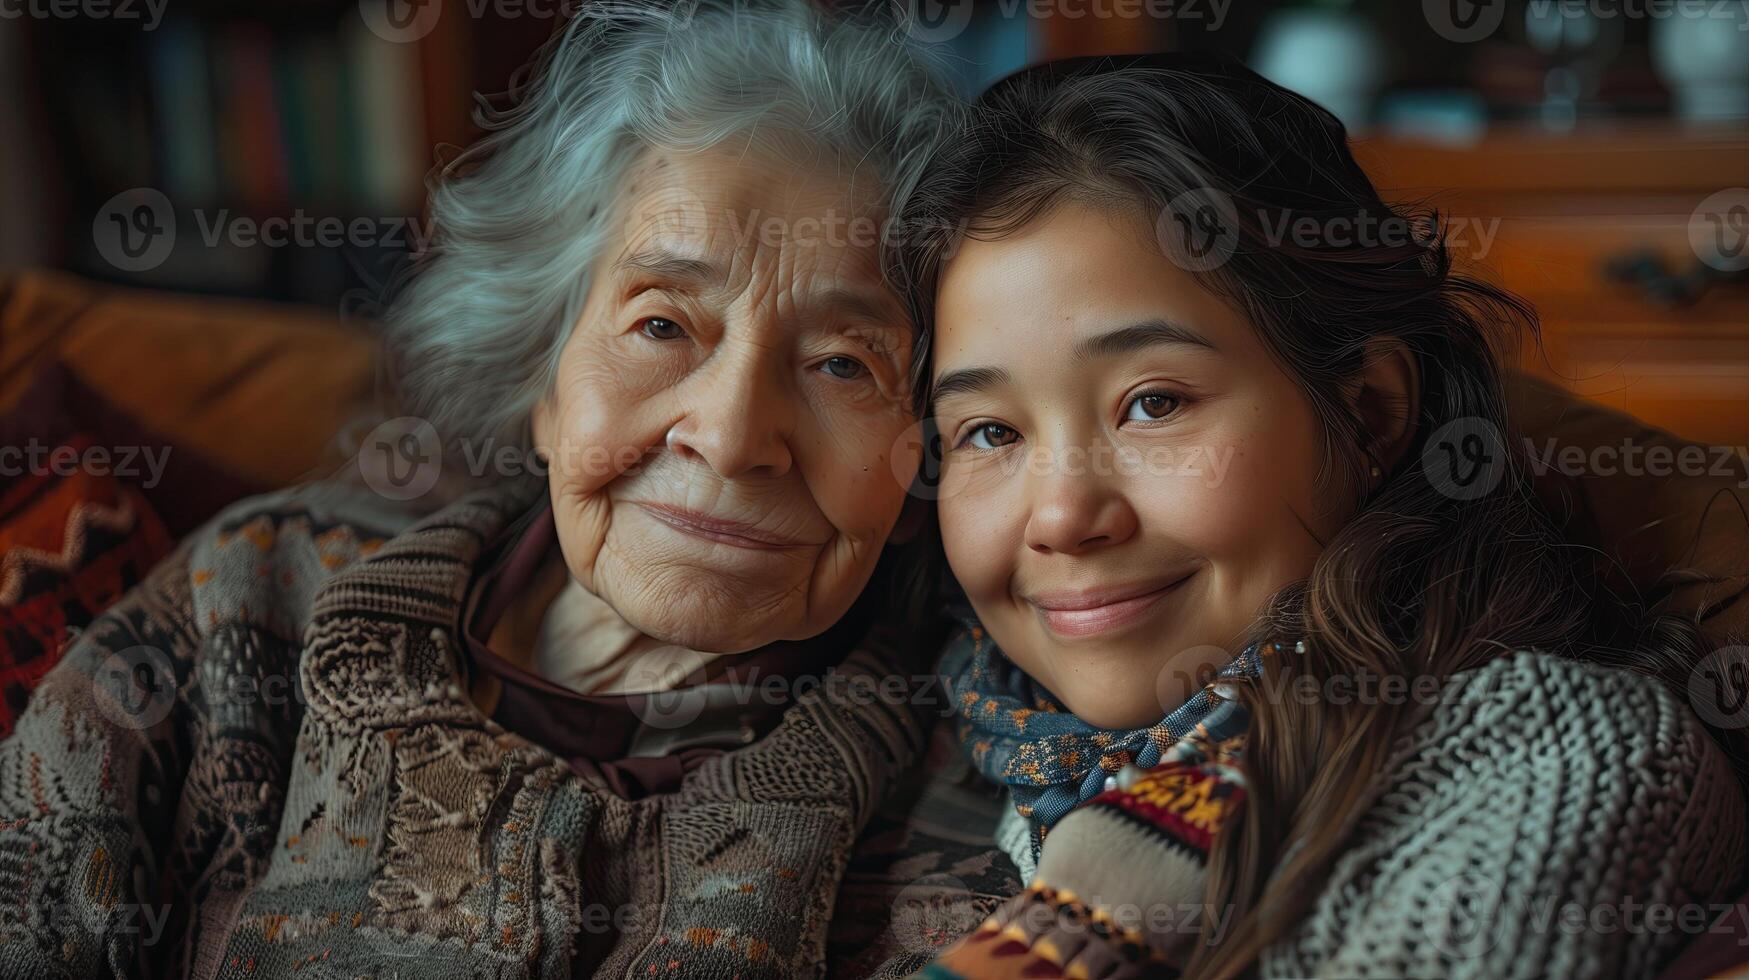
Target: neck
x=566 y=634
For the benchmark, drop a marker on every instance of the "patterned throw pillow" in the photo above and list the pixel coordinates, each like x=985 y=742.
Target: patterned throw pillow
x=72 y=541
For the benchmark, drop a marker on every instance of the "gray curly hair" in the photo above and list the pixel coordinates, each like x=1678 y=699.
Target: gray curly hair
x=475 y=331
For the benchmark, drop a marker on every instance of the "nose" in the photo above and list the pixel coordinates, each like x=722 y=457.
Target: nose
x=1075 y=510
x=739 y=416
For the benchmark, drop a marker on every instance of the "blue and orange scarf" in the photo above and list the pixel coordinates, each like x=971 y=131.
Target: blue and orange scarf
x=1019 y=735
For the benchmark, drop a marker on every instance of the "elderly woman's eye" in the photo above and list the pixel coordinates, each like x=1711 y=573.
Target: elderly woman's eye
x=1151 y=406
x=662 y=328
x=991 y=435
x=847 y=368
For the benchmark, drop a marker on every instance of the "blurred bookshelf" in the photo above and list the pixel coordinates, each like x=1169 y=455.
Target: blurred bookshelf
x=282 y=116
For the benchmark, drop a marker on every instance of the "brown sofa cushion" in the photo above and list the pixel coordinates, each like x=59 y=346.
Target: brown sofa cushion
x=1697 y=520
x=258 y=388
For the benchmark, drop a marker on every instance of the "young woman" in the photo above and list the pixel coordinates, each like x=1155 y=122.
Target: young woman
x=1209 y=406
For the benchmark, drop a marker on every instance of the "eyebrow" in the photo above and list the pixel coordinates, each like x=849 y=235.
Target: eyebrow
x=661 y=264
x=859 y=305
x=1124 y=340
x=1139 y=336
x=969 y=381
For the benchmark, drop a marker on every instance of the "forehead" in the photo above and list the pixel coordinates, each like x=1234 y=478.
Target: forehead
x=1028 y=298
x=806 y=210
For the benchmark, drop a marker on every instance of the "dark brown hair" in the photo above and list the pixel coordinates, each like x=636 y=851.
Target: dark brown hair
x=1424 y=579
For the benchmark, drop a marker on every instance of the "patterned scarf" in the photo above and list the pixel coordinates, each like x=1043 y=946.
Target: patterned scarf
x=1018 y=734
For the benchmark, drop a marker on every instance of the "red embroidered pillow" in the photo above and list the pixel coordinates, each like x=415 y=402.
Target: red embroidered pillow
x=73 y=539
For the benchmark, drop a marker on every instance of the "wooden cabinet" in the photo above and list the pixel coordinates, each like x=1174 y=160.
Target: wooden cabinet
x=1544 y=214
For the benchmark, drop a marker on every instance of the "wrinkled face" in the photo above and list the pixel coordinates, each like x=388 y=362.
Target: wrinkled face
x=721 y=427
x=1128 y=473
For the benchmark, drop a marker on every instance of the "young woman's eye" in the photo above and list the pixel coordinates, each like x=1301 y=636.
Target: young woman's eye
x=991 y=435
x=848 y=368
x=1151 y=406
x=662 y=328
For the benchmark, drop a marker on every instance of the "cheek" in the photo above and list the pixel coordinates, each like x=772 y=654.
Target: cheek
x=981 y=535
x=1246 y=502
x=593 y=425
x=852 y=474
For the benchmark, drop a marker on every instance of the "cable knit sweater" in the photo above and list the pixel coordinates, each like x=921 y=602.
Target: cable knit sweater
x=260 y=763
x=1546 y=818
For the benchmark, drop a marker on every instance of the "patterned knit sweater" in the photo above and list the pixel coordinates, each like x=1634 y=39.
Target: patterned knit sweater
x=1546 y=818
x=260 y=763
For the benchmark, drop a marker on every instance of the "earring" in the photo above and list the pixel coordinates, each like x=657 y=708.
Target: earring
x=1375 y=470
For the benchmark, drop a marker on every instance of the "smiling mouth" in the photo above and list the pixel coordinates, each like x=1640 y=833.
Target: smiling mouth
x=1090 y=612
x=736 y=533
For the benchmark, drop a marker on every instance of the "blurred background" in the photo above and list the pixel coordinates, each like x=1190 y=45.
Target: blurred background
x=1596 y=152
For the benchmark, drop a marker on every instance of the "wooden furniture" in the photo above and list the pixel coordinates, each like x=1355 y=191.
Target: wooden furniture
x=1566 y=205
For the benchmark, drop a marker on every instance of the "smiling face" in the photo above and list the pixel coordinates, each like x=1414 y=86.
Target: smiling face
x=1129 y=474
x=720 y=427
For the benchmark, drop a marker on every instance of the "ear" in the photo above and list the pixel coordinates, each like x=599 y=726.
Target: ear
x=913 y=515
x=1387 y=398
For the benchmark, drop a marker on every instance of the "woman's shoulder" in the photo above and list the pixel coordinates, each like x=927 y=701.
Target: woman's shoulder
x=1618 y=745
x=1577 y=709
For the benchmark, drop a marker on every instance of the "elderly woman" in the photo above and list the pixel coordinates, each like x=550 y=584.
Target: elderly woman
x=617 y=720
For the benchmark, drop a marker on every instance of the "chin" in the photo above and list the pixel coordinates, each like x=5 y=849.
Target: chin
x=1103 y=713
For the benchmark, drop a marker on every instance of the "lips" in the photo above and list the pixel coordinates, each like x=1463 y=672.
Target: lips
x=724 y=531
x=1073 y=613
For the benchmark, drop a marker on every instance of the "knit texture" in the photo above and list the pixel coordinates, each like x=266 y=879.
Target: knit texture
x=1021 y=735
x=1546 y=818
x=261 y=763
